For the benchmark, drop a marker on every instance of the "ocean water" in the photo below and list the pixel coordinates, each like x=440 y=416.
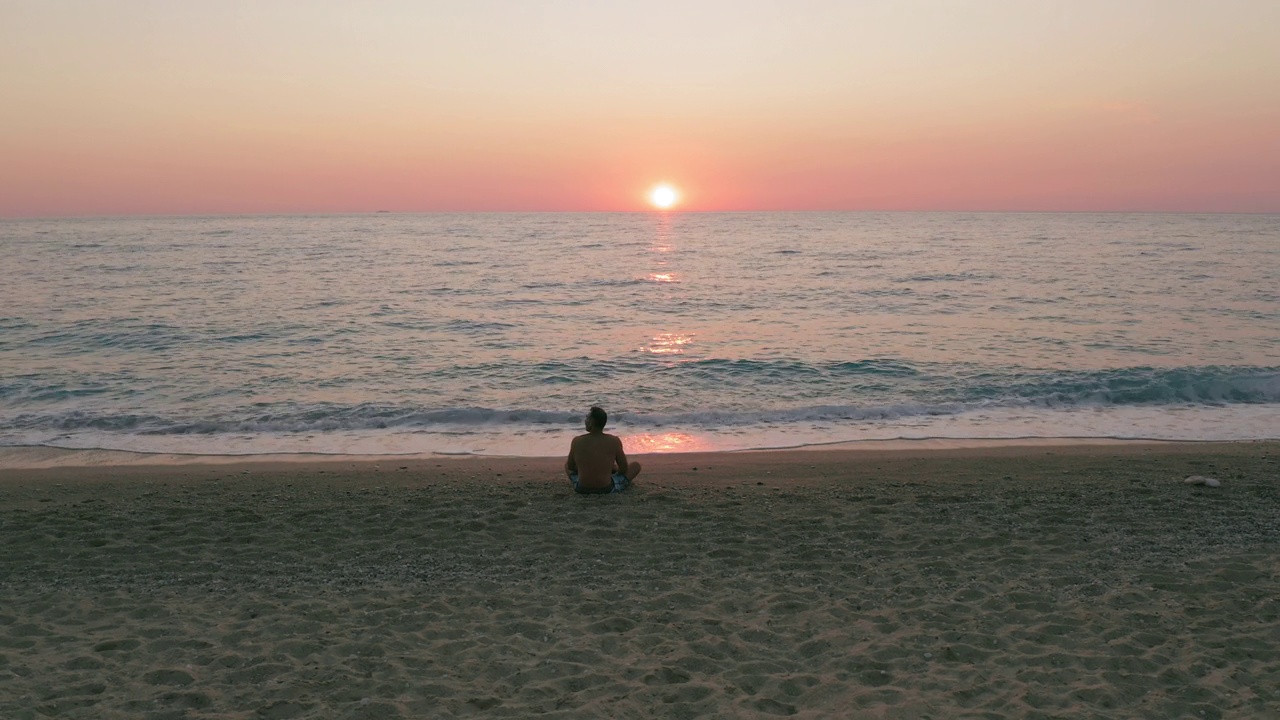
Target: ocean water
x=492 y=334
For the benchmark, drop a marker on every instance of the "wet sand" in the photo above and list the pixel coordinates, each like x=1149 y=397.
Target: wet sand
x=1015 y=581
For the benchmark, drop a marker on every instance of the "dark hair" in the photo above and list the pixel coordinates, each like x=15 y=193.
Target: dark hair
x=598 y=416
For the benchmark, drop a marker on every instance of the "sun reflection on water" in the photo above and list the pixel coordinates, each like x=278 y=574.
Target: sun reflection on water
x=664 y=442
x=662 y=241
x=667 y=344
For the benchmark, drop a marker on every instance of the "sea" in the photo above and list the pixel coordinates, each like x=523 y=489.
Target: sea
x=492 y=334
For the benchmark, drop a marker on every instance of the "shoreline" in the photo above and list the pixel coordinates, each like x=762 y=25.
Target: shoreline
x=810 y=467
x=44 y=457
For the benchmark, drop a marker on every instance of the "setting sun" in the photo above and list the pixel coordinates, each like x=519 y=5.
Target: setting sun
x=663 y=196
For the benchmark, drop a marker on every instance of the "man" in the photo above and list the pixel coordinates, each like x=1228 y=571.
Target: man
x=597 y=463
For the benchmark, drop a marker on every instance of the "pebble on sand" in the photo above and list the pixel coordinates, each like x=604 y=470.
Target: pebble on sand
x=1202 y=480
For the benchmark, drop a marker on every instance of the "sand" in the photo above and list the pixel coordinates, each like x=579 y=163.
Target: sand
x=1022 y=581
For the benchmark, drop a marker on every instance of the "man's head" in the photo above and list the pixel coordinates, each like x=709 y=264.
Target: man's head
x=596 y=419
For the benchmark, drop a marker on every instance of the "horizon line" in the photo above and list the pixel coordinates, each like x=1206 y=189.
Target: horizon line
x=343 y=213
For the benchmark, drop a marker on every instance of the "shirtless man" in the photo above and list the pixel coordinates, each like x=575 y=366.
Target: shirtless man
x=597 y=463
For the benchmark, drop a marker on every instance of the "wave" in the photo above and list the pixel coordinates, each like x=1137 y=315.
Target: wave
x=917 y=395
x=1142 y=386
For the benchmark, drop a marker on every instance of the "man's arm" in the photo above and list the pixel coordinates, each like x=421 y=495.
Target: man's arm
x=620 y=457
x=571 y=465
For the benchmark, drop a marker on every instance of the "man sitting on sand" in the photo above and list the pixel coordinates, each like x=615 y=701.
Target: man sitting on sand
x=597 y=463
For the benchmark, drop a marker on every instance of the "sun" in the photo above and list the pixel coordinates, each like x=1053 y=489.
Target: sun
x=663 y=196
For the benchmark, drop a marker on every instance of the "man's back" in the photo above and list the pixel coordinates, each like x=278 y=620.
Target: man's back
x=597 y=456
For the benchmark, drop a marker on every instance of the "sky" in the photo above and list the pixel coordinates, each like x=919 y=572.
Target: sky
x=118 y=107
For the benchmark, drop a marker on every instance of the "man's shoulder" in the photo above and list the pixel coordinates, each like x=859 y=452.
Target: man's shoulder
x=598 y=437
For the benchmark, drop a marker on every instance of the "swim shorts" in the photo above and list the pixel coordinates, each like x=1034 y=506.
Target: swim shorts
x=620 y=483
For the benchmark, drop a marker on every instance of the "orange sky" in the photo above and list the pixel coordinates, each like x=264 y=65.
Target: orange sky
x=130 y=107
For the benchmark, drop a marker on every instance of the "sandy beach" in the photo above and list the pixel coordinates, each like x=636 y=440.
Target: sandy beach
x=1006 y=582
